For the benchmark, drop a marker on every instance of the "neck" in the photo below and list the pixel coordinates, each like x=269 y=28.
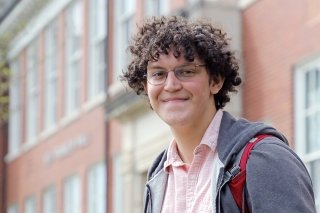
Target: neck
x=189 y=137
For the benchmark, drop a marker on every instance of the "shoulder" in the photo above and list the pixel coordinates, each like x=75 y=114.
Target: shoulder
x=271 y=155
x=276 y=173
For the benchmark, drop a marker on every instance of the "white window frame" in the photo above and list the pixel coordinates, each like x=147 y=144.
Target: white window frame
x=14 y=119
x=74 y=34
x=30 y=205
x=301 y=113
x=125 y=13
x=13 y=208
x=32 y=92
x=97 y=189
x=49 y=204
x=97 y=40
x=51 y=68
x=72 y=195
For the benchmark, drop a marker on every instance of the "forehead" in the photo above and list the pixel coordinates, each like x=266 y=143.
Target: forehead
x=169 y=60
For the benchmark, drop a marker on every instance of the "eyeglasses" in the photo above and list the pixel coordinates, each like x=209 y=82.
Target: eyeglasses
x=157 y=76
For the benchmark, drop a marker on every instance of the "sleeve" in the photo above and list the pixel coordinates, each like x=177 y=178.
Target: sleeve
x=277 y=180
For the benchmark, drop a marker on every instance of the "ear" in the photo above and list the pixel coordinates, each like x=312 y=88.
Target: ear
x=145 y=87
x=216 y=86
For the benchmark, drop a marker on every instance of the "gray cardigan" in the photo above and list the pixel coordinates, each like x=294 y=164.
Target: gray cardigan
x=277 y=180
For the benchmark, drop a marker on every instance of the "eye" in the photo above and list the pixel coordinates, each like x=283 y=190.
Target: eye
x=158 y=74
x=186 y=72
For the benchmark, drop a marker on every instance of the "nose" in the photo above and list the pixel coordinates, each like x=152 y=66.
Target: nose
x=172 y=83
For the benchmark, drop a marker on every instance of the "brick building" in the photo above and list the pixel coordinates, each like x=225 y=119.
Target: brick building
x=56 y=153
x=80 y=142
x=279 y=54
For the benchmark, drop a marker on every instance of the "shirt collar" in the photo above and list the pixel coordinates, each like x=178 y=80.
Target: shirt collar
x=210 y=136
x=209 y=139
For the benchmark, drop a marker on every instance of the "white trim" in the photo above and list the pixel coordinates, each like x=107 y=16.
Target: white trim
x=95 y=101
x=116 y=88
x=46 y=133
x=243 y=4
x=35 y=25
x=11 y=18
x=299 y=122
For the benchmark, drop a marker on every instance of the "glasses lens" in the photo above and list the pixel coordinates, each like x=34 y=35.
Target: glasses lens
x=183 y=73
x=156 y=77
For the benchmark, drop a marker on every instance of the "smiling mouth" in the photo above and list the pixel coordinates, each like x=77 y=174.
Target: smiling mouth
x=175 y=99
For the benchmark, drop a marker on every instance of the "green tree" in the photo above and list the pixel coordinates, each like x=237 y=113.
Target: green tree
x=4 y=86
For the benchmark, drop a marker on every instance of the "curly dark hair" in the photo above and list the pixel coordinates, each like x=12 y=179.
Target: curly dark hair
x=201 y=39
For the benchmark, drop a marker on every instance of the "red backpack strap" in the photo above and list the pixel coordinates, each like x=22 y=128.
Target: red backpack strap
x=237 y=183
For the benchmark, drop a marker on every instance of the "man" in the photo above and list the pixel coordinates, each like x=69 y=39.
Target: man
x=187 y=72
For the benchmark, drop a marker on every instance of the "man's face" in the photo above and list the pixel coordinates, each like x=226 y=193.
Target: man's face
x=185 y=102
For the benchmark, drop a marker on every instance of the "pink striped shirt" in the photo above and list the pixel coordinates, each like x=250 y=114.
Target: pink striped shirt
x=189 y=187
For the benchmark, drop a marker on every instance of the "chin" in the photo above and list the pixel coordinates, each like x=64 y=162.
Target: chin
x=175 y=121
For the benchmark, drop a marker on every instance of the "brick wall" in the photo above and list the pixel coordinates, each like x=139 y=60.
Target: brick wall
x=276 y=36
x=3 y=150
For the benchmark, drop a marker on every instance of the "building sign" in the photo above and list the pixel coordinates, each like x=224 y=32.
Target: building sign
x=65 y=149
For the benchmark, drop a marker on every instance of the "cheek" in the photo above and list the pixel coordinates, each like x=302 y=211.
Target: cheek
x=152 y=95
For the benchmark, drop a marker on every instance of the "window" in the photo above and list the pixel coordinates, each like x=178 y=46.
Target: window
x=156 y=7
x=98 y=33
x=13 y=209
x=73 y=55
x=51 y=64
x=49 y=200
x=30 y=205
x=32 y=91
x=307 y=121
x=97 y=189
x=14 y=128
x=117 y=199
x=72 y=196
x=125 y=21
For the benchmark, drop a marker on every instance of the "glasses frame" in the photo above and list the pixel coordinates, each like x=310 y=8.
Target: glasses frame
x=174 y=70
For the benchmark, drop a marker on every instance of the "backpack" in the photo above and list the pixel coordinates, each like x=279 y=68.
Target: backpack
x=237 y=183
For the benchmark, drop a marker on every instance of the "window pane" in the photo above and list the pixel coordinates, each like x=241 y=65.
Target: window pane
x=101 y=49
x=312 y=132
x=14 y=122
x=72 y=195
x=97 y=48
x=73 y=52
x=312 y=88
x=74 y=23
x=13 y=209
x=318 y=86
x=315 y=175
x=30 y=205
x=51 y=64
x=49 y=200
x=97 y=189
x=32 y=93
x=117 y=185
x=127 y=6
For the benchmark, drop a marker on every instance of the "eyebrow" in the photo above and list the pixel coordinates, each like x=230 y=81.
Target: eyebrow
x=160 y=67
x=155 y=67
